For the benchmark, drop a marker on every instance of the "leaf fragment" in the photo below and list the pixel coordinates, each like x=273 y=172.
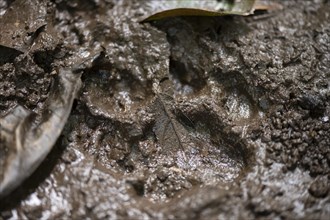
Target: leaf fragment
x=26 y=141
x=169 y=132
x=173 y=8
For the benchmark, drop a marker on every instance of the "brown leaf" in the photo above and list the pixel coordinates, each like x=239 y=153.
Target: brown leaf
x=27 y=141
x=169 y=132
x=173 y=8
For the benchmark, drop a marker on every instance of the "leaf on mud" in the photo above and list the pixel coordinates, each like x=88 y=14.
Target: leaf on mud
x=164 y=9
x=26 y=140
x=169 y=132
x=267 y=6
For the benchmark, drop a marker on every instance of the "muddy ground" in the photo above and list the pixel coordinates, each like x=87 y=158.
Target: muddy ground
x=189 y=118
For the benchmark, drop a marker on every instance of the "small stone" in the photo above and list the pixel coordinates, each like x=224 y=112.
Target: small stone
x=163 y=174
x=319 y=188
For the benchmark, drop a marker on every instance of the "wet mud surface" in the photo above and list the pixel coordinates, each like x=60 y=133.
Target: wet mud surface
x=180 y=118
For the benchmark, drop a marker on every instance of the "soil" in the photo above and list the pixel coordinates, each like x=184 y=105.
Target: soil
x=181 y=118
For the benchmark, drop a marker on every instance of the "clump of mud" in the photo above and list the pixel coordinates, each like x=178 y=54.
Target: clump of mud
x=178 y=118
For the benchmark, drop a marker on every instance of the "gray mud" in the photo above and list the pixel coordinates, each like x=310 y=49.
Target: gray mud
x=182 y=118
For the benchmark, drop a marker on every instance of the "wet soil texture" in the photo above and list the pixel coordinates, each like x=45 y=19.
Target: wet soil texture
x=181 y=118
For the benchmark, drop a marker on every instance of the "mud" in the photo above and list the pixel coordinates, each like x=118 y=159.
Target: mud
x=179 y=118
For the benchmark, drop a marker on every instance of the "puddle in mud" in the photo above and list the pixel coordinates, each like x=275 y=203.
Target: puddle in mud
x=181 y=118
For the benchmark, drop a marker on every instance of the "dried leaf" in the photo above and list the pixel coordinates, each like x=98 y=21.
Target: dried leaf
x=267 y=5
x=169 y=132
x=25 y=141
x=164 y=9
